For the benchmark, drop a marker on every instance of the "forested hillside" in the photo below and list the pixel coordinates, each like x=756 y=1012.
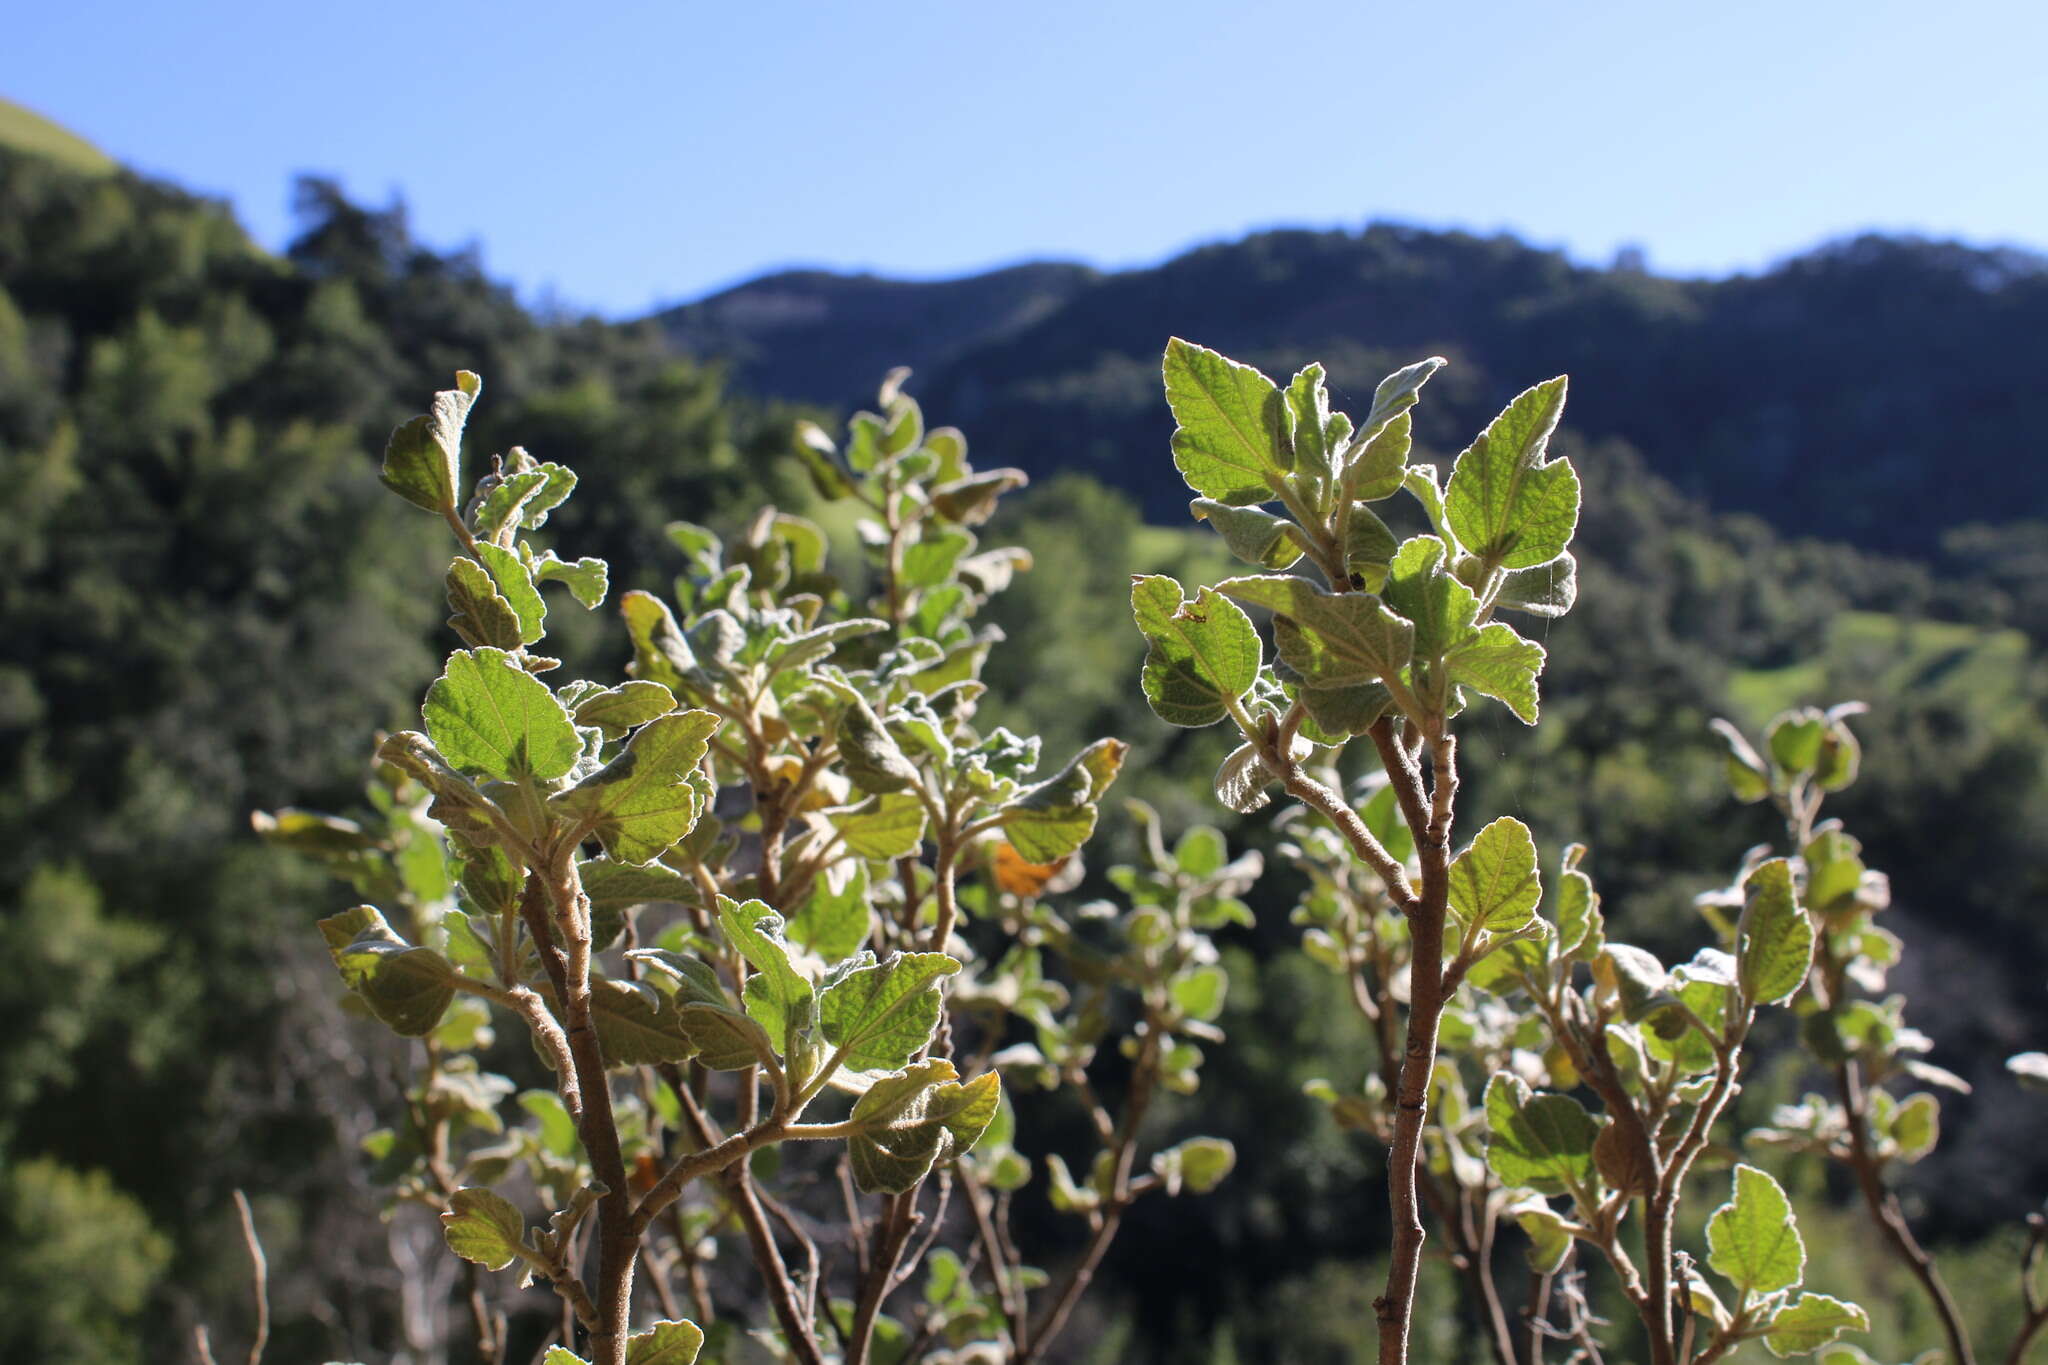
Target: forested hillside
x=200 y=594
x=1871 y=390
x=200 y=573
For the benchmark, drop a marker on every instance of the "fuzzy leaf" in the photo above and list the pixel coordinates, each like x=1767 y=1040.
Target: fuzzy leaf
x=1504 y=501
x=488 y=715
x=515 y=584
x=636 y=1025
x=1547 y=589
x=881 y=827
x=1332 y=640
x=884 y=1012
x=479 y=613
x=406 y=987
x=619 y=709
x=639 y=804
x=1204 y=654
x=1542 y=1141
x=1753 y=1239
x=588 y=578
x=483 y=1226
x=1494 y=880
x=869 y=754
x=916 y=1119
x=1051 y=820
x=778 y=995
x=1811 y=1323
x=423 y=458
x=666 y=1343
x=1497 y=662
x=834 y=921
x=1252 y=534
x=1231 y=444
x=1197 y=1165
x=1774 y=941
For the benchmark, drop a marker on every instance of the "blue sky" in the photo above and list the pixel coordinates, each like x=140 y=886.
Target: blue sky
x=640 y=153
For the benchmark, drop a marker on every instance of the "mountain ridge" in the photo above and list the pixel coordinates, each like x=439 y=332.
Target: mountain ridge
x=1868 y=389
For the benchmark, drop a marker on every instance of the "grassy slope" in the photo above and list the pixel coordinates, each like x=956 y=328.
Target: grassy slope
x=28 y=131
x=1897 y=655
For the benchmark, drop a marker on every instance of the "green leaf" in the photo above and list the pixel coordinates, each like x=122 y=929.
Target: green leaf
x=1794 y=740
x=562 y=1355
x=1811 y=1323
x=1054 y=818
x=1774 y=940
x=834 y=921
x=515 y=585
x=1369 y=547
x=666 y=1343
x=1200 y=852
x=660 y=652
x=917 y=1119
x=406 y=987
x=971 y=500
x=557 y=1128
x=1204 y=654
x=1505 y=502
x=1421 y=587
x=1753 y=1239
x=488 y=715
x=1547 y=589
x=639 y=804
x=1397 y=393
x=1252 y=534
x=821 y=461
x=1316 y=435
x=882 y=1013
x=778 y=995
x=1331 y=639
x=423 y=458
x=1840 y=755
x=1497 y=662
x=1550 y=1237
x=479 y=612
x=1543 y=1141
x=614 y=888
x=1231 y=444
x=725 y=1039
x=1378 y=468
x=618 y=709
x=1335 y=713
x=503 y=504
x=929 y=562
x=588 y=579
x=1635 y=976
x=1197 y=1165
x=1495 y=880
x=869 y=754
x=1916 y=1125
x=881 y=827
x=483 y=1226
x=636 y=1026
x=1198 y=992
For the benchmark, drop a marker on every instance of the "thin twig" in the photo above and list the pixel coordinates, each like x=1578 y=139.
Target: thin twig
x=259 y=1273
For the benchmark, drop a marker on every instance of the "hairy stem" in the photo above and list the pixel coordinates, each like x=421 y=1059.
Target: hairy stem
x=1431 y=826
x=1884 y=1210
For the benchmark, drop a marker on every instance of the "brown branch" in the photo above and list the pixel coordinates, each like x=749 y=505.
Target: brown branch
x=1395 y=1307
x=1890 y=1218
